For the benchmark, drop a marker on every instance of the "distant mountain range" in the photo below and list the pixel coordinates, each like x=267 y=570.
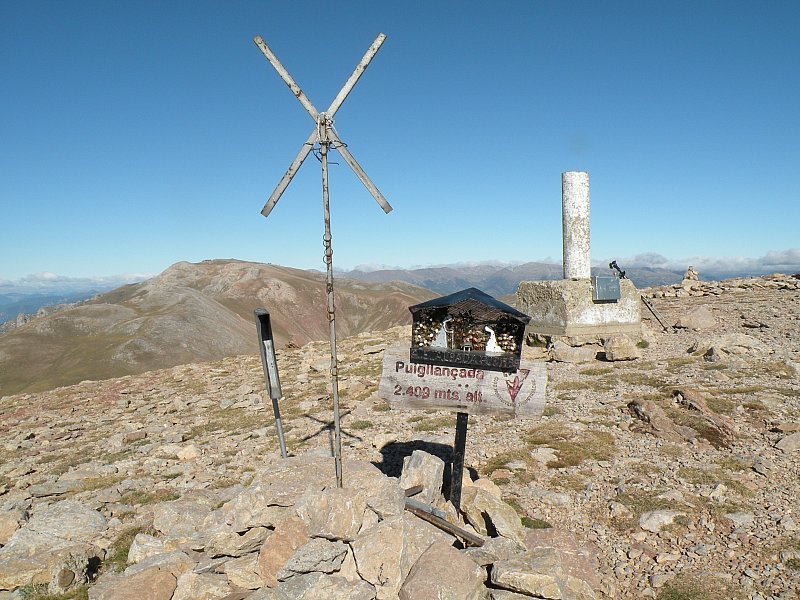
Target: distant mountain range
x=191 y=313
x=499 y=280
x=15 y=303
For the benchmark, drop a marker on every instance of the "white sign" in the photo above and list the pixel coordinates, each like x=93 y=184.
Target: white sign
x=462 y=389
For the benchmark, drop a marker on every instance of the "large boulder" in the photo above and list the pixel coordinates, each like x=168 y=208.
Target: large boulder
x=386 y=552
x=317 y=555
x=443 y=573
x=154 y=583
x=335 y=513
x=426 y=470
x=50 y=536
x=697 y=319
x=289 y=535
x=620 y=347
x=730 y=347
x=490 y=515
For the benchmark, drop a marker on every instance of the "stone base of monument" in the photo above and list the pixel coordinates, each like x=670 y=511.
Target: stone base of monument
x=566 y=309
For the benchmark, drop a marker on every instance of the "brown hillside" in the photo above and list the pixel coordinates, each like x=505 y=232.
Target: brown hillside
x=189 y=313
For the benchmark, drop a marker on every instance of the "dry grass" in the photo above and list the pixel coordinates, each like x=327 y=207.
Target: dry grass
x=712 y=476
x=143 y=497
x=501 y=460
x=595 y=384
x=435 y=423
x=117 y=556
x=698 y=587
x=573 y=448
x=638 y=502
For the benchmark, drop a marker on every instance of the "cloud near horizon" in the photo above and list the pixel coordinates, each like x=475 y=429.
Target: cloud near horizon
x=786 y=261
x=46 y=282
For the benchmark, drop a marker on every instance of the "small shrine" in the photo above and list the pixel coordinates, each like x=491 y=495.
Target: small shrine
x=467 y=329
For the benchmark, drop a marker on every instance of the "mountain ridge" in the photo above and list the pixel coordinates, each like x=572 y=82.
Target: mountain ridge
x=191 y=312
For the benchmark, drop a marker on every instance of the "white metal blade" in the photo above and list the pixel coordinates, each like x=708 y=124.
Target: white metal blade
x=350 y=160
x=290 y=173
x=356 y=75
x=287 y=79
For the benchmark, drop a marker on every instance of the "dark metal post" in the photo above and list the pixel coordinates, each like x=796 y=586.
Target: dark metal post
x=267 y=350
x=459 y=448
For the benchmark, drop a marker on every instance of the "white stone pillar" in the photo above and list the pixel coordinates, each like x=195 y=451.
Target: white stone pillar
x=575 y=222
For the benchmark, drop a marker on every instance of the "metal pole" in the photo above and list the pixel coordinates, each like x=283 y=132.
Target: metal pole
x=337 y=446
x=459 y=448
x=270 y=366
x=272 y=370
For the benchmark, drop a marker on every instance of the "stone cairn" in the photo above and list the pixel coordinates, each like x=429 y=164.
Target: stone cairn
x=292 y=534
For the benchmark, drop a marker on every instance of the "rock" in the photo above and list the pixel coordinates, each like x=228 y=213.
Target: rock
x=53 y=488
x=443 y=573
x=190 y=452
x=384 y=495
x=71 y=569
x=201 y=586
x=175 y=562
x=335 y=513
x=10 y=521
x=426 y=470
x=578 y=559
x=537 y=574
x=488 y=515
x=724 y=426
x=316 y=586
x=494 y=549
x=153 y=583
x=317 y=555
x=243 y=572
x=133 y=436
x=17 y=571
x=696 y=319
x=67 y=520
x=251 y=508
x=562 y=352
x=50 y=535
x=349 y=570
x=741 y=519
x=619 y=510
x=490 y=486
x=791 y=443
x=658 y=580
x=144 y=546
x=225 y=541
x=506 y=595
x=289 y=535
x=620 y=347
x=182 y=517
x=654 y=520
x=730 y=346
x=386 y=552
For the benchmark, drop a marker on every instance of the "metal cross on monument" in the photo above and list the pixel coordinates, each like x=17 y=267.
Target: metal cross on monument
x=324 y=137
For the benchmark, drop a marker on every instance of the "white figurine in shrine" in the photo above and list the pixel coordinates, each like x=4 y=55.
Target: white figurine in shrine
x=441 y=335
x=491 y=345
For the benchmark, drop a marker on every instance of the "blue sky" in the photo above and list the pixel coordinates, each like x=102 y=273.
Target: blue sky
x=135 y=135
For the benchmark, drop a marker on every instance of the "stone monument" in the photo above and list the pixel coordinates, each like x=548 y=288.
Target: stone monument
x=579 y=308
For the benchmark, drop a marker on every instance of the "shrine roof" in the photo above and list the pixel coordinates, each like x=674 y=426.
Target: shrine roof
x=471 y=298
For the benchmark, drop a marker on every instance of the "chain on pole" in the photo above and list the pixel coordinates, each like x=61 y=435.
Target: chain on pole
x=326 y=135
x=323 y=127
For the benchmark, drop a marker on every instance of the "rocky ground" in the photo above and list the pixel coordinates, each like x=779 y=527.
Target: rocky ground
x=678 y=471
